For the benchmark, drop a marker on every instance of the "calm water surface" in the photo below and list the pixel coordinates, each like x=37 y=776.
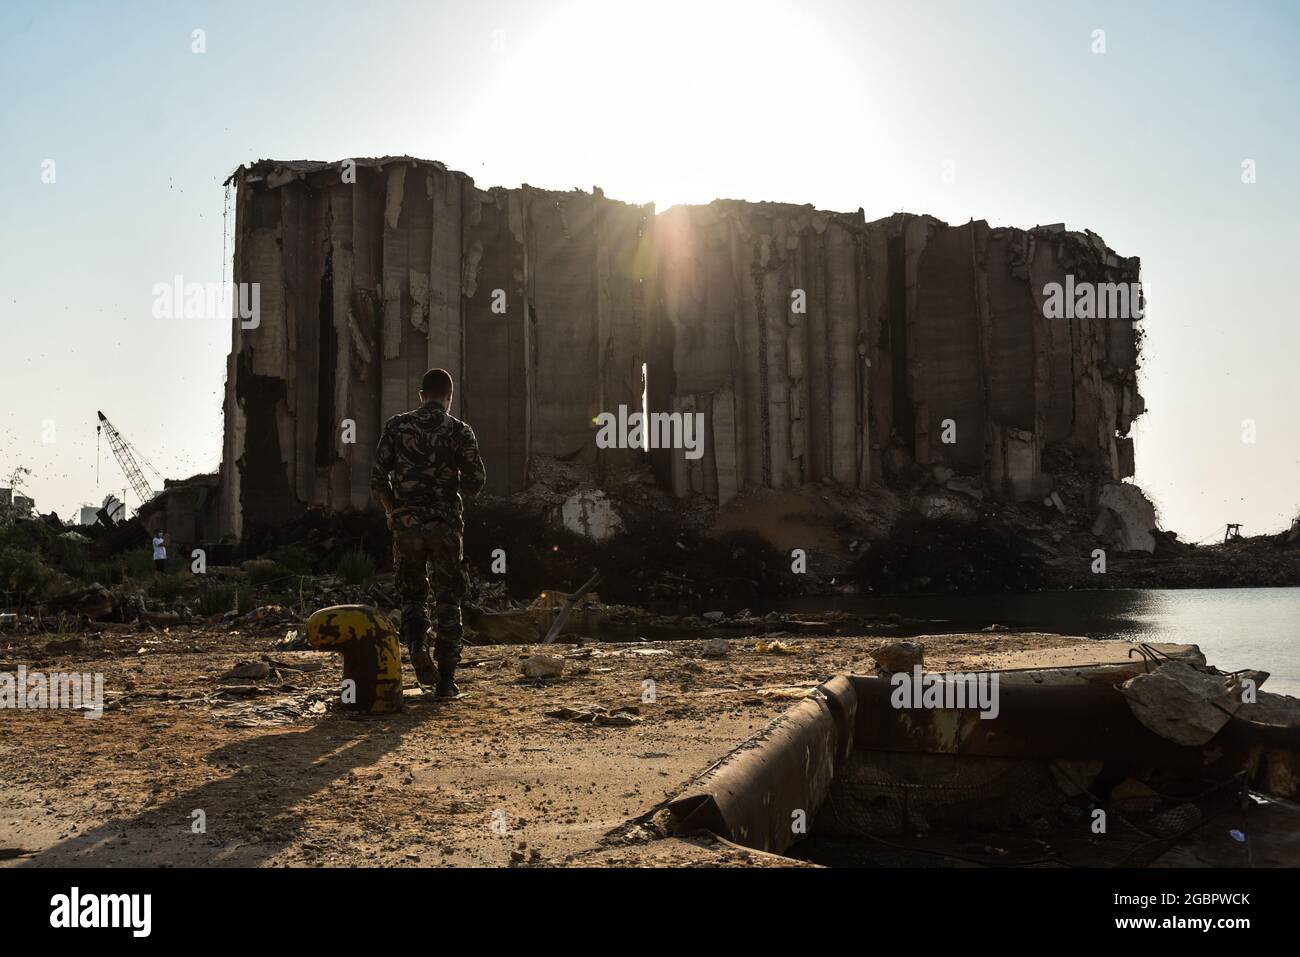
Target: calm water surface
x=1235 y=627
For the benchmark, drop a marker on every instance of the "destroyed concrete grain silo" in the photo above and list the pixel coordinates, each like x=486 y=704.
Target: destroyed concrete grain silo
x=817 y=346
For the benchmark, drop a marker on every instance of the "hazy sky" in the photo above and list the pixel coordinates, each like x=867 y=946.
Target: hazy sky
x=839 y=104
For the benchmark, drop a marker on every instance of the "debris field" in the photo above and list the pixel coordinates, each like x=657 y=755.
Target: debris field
x=555 y=770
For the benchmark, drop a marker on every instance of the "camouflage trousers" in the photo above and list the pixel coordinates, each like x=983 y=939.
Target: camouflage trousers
x=427 y=554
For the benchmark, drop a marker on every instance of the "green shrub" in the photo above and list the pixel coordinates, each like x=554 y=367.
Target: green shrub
x=106 y=573
x=27 y=534
x=24 y=575
x=356 y=567
x=293 y=557
x=138 y=564
x=169 y=587
x=68 y=556
x=218 y=598
x=262 y=571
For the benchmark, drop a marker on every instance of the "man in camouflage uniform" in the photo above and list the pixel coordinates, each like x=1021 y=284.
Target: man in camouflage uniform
x=426 y=459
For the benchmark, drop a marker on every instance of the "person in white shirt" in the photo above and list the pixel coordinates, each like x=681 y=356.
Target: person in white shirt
x=159 y=551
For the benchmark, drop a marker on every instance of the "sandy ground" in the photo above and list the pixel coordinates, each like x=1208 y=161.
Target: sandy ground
x=486 y=780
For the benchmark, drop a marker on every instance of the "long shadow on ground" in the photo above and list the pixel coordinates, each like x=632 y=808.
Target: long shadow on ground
x=252 y=814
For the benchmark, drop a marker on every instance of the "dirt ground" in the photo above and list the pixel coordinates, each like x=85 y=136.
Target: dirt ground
x=486 y=780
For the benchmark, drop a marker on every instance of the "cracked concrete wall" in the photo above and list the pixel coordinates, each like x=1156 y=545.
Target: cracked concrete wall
x=586 y=262
x=373 y=271
x=349 y=321
x=782 y=382
x=818 y=347
x=922 y=344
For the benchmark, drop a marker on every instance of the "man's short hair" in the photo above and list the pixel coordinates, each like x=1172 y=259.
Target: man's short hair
x=436 y=383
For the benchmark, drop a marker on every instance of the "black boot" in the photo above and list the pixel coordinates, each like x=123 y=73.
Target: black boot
x=415 y=634
x=447 y=687
x=426 y=672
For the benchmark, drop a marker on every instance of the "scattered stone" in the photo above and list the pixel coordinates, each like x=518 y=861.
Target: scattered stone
x=248 y=670
x=713 y=616
x=899 y=655
x=542 y=666
x=794 y=693
x=595 y=714
x=293 y=640
x=715 y=648
x=267 y=612
x=618 y=719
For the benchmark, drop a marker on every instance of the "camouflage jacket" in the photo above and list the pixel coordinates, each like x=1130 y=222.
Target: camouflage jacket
x=425 y=460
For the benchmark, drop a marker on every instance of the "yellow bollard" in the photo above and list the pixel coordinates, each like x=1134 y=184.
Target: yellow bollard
x=372 y=658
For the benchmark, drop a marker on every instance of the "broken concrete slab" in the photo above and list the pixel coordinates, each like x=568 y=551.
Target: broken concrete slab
x=1126 y=519
x=1180 y=703
x=591 y=514
x=93 y=602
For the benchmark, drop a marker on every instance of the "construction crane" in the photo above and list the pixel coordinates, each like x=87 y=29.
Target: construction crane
x=129 y=457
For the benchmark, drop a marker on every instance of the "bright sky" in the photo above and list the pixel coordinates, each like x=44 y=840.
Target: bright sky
x=839 y=104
